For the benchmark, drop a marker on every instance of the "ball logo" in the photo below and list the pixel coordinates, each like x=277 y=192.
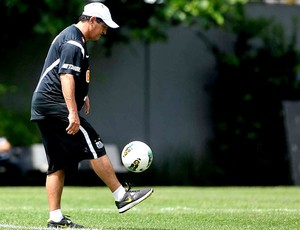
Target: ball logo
x=125 y=153
x=135 y=164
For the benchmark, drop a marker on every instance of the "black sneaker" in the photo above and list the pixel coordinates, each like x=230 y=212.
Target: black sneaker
x=64 y=223
x=132 y=198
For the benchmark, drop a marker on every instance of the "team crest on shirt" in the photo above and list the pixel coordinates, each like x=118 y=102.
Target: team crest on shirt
x=88 y=76
x=99 y=144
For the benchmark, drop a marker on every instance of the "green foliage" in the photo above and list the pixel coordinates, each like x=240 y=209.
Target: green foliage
x=17 y=128
x=20 y=5
x=254 y=79
x=7 y=88
x=56 y=15
x=206 y=11
x=138 y=20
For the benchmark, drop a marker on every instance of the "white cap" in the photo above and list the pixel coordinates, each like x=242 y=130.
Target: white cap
x=99 y=10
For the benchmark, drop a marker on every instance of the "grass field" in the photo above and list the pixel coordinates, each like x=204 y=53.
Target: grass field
x=168 y=208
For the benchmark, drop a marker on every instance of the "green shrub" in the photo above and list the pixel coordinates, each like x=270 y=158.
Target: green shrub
x=17 y=128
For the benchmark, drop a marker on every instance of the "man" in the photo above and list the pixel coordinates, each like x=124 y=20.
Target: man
x=4 y=145
x=60 y=94
x=4 y=148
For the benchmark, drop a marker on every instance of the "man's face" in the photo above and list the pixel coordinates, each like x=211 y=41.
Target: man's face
x=97 y=29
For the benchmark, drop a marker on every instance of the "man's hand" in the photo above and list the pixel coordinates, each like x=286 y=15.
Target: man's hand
x=74 y=123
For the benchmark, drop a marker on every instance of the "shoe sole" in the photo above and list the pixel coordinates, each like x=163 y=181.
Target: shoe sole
x=63 y=226
x=134 y=203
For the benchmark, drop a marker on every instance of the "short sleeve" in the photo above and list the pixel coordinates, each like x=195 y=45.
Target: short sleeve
x=70 y=59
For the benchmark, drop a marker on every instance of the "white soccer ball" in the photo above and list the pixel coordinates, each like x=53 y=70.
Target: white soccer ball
x=137 y=156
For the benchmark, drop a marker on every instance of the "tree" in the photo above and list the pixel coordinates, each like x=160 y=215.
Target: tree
x=139 y=19
x=206 y=11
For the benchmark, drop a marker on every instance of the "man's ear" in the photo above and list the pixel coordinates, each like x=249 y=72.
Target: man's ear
x=92 y=20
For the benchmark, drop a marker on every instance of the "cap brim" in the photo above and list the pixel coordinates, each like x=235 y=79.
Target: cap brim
x=111 y=23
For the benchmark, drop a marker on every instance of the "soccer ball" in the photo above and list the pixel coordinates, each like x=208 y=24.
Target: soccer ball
x=137 y=156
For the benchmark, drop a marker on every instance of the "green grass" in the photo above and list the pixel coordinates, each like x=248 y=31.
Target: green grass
x=168 y=208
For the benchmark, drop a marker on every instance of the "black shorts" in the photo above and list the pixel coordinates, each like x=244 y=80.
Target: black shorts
x=64 y=150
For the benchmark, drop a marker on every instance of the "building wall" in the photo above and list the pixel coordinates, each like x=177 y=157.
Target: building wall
x=178 y=111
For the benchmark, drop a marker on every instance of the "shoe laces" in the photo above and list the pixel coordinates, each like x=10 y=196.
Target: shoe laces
x=129 y=187
x=67 y=217
x=72 y=224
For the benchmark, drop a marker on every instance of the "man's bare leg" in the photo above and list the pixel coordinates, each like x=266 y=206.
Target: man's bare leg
x=124 y=200
x=104 y=169
x=54 y=187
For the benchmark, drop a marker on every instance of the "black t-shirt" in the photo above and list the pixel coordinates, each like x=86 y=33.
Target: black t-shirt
x=67 y=54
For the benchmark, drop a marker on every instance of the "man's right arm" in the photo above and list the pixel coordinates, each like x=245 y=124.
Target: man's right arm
x=68 y=89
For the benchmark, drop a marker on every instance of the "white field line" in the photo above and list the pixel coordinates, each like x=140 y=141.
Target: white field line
x=175 y=208
x=227 y=210
x=10 y=226
x=105 y=210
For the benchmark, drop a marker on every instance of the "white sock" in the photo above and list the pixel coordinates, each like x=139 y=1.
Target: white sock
x=119 y=193
x=56 y=215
